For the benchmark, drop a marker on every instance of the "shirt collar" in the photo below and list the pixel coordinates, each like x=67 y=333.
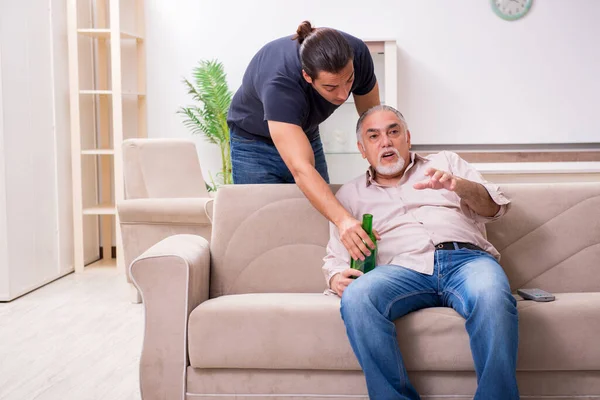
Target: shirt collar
x=370 y=175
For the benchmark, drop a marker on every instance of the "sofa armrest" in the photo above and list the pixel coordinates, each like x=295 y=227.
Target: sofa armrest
x=173 y=278
x=188 y=211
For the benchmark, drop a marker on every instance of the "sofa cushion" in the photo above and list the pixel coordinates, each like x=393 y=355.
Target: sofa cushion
x=305 y=331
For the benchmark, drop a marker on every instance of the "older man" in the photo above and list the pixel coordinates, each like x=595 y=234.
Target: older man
x=430 y=213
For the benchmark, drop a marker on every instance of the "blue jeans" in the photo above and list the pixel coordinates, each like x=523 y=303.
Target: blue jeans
x=253 y=161
x=469 y=281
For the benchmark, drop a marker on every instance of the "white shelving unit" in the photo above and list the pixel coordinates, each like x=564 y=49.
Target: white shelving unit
x=108 y=131
x=388 y=50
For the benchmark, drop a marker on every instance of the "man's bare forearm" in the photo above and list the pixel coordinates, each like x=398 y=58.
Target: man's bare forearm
x=476 y=197
x=320 y=195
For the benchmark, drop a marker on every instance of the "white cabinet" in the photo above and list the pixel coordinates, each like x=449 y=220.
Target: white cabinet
x=338 y=132
x=35 y=216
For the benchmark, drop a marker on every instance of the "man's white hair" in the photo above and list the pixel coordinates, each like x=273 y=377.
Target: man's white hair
x=370 y=111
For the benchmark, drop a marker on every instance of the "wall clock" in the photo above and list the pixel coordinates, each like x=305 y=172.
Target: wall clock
x=511 y=9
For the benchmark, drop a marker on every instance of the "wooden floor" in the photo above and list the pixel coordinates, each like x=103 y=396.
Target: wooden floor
x=77 y=338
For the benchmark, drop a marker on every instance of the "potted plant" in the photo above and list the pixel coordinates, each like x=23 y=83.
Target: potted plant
x=209 y=116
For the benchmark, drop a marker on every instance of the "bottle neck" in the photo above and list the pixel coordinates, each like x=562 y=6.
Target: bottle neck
x=367 y=223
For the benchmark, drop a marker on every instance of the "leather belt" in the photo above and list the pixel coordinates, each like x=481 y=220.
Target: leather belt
x=459 y=245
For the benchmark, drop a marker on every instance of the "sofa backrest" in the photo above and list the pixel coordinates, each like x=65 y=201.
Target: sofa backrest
x=269 y=238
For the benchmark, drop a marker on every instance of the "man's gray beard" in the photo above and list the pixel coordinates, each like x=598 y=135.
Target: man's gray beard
x=390 y=169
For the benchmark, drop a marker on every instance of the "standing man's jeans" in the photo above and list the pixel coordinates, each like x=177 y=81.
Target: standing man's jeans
x=254 y=161
x=469 y=281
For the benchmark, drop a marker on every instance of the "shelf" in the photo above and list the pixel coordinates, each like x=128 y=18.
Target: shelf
x=100 y=92
x=103 y=263
x=101 y=209
x=98 y=152
x=109 y=93
x=105 y=34
x=129 y=93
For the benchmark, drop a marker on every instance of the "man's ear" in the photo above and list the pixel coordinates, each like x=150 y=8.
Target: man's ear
x=361 y=148
x=306 y=77
x=408 y=139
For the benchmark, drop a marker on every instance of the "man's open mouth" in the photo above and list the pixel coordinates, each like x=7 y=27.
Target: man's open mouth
x=388 y=154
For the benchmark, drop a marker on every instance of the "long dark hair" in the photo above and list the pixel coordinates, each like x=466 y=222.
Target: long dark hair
x=322 y=49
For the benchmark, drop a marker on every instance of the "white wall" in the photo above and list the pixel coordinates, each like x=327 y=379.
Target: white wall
x=4 y=272
x=465 y=75
x=35 y=185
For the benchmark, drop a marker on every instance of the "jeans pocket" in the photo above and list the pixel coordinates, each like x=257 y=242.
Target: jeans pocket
x=477 y=252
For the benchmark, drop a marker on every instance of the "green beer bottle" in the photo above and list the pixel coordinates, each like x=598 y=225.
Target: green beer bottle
x=370 y=261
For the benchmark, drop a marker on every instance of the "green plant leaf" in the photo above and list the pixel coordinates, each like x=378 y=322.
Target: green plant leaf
x=208 y=117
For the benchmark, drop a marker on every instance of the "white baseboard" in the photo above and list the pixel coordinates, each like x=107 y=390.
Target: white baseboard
x=11 y=296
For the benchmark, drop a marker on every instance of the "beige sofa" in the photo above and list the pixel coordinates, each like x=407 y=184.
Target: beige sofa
x=165 y=194
x=245 y=317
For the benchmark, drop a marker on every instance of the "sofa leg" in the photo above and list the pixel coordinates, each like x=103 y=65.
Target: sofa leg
x=134 y=294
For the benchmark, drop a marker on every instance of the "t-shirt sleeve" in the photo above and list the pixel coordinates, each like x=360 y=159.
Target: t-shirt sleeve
x=366 y=71
x=284 y=101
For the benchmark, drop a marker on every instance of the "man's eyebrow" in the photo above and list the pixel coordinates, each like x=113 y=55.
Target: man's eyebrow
x=390 y=126
x=334 y=86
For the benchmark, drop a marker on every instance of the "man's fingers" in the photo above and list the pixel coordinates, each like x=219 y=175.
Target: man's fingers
x=430 y=171
x=438 y=174
x=347 y=273
x=356 y=273
x=352 y=248
x=361 y=247
x=446 y=176
x=422 y=185
x=377 y=236
x=357 y=252
x=356 y=241
x=365 y=239
x=345 y=279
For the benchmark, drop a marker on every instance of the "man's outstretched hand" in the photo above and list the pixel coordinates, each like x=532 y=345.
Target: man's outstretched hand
x=438 y=179
x=474 y=194
x=340 y=281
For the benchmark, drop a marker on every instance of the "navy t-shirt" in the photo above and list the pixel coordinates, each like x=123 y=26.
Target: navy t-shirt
x=274 y=89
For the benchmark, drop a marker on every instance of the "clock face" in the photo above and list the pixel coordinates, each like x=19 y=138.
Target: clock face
x=511 y=9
